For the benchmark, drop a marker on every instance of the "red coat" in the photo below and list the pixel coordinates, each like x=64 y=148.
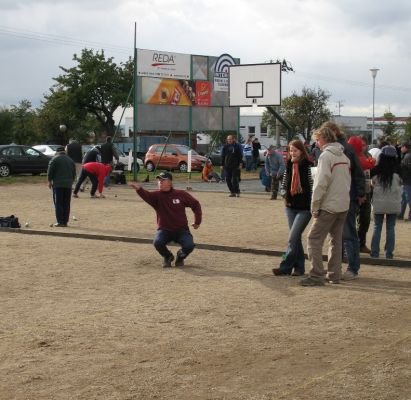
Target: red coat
x=100 y=170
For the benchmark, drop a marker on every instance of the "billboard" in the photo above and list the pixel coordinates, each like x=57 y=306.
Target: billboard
x=175 y=92
x=162 y=64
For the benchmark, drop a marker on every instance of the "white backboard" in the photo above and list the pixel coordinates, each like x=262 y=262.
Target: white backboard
x=255 y=84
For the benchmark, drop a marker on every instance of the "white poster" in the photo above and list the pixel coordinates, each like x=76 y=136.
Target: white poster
x=162 y=64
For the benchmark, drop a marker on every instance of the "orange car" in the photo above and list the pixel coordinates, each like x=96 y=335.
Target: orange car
x=172 y=157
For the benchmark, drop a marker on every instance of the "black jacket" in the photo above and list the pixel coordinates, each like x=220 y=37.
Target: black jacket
x=300 y=201
x=92 y=155
x=108 y=151
x=74 y=151
x=231 y=155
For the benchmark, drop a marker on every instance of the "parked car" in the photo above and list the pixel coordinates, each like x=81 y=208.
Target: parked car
x=174 y=157
x=48 y=149
x=16 y=159
x=123 y=158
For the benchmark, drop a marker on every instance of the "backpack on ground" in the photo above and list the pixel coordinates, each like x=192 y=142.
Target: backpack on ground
x=9 y=222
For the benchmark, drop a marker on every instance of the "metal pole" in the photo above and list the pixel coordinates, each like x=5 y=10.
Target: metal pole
x=135 y=125
x=374 y=74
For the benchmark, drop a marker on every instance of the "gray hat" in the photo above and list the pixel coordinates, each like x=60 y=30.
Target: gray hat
x=164 y=175
x=389 y=151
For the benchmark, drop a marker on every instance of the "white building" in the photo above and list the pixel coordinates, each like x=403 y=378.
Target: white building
x=251 y=125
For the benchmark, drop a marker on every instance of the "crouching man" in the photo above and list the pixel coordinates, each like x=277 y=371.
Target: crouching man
x=170 y=205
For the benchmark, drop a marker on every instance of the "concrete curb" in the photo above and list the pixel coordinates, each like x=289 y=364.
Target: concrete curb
x=231 y=249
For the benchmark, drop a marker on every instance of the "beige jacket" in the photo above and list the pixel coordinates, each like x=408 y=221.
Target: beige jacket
x=331 y=190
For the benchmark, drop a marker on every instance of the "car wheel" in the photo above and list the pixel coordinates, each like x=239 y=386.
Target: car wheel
x=182 y=167
x=137 y=168
x=4 y=170
x=149 y=166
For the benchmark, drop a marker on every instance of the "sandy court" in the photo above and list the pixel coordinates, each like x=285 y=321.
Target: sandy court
x=87 y=319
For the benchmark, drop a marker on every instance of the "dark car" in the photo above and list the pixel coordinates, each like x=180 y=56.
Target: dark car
x=16 y=159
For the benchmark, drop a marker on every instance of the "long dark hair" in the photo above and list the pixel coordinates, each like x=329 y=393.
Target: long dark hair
x=386 y=168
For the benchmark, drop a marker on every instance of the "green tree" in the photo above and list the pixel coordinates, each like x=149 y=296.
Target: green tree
x=24 y=117
x=407 y=133
x=6 y=126
x=303 y=112
x=96 y=86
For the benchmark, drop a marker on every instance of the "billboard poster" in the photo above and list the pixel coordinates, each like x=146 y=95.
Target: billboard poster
x=221 y=72
x=203 y=93
x=200 y=68
x=168 y=92
x=162 y=64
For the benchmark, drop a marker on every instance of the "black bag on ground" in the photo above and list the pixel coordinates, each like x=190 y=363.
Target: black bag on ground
x=120 y=179
x=9 y=222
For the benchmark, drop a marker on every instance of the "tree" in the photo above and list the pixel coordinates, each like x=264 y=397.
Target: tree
x=6 y=126
x=303 y=112
x=97 y=86
x=407 y=133
x=23 y=129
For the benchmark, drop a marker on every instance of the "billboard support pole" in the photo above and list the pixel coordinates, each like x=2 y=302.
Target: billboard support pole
x=135 y=122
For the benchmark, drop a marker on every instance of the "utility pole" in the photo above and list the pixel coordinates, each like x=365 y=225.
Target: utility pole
x=339 y=105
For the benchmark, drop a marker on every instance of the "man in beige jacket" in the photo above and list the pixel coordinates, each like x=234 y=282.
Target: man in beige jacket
x=329 y=205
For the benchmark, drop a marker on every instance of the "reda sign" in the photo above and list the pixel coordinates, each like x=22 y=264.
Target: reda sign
x=161 y=64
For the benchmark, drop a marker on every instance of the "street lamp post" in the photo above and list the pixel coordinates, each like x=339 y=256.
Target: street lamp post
x=374 y=74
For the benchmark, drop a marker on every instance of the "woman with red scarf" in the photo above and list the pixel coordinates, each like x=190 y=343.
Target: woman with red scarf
x=296 y=189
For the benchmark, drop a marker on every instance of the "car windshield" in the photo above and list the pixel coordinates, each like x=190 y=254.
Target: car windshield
x=184 y=150
x=55 y=147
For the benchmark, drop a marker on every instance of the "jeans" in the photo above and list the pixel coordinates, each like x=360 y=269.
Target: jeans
x=256 y=161
x=62 y=199
x=183 y=237
x=405 y=199
x=350 y=239
x=294 y=255
x=83 y=175
x=390 y=235
x=232 y=177
x=275 y=184
x=248 y=163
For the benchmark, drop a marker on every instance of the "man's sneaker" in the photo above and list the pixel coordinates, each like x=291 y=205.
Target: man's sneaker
x=332 y=281
x=365 y=249
x=310 y=281
x=75 y=195
x=238 y=194
x=232 y=195
x=167 y=261
x=349 y=276
x=179 y=259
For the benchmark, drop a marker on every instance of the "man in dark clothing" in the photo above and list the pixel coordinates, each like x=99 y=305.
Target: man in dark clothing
x=231 y=158
x=61 y=174
x=93 y=155
x=96 y=172
x=351 y=241
x=406 y=177
x=73 y=150
x=108 y=151
x=256 y=153
x=170 y=205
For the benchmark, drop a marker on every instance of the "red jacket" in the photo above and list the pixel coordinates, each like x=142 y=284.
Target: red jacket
x=358 y=145
x=100 y=170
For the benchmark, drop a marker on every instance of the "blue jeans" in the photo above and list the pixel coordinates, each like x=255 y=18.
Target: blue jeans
x=405 y=199
x=294 y=255
x=350 y=239
x=390 y=235
x=62 y=200
x=248 y=163
x=183 y=237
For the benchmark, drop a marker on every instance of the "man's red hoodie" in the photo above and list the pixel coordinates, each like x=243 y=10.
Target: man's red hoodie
x=100 y=170
x=358 y=145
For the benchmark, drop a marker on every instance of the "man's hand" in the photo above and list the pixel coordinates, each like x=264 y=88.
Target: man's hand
x=135 y=185
x=195 y=226
x=361 y=200
x=50 y=185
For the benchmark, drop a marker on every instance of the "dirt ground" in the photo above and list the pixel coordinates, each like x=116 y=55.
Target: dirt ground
x=88 y=319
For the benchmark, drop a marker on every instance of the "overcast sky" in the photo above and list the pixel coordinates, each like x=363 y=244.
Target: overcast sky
x=331 y=44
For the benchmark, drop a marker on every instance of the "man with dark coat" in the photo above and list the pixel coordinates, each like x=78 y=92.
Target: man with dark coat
x=61 y=174
x=108 y=151
x=231 y=158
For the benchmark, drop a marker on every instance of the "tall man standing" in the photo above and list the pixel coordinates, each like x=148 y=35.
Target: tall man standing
x=274 y=168
x=61 y=174
x=73 y=150
x=231 y=158
x=108 y=151
x=170 y=205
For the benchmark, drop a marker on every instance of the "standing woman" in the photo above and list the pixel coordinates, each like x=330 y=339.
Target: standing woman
x=386 y=200
x=297 y=189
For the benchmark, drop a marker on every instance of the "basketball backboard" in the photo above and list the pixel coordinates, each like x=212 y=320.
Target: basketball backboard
x=255 y=85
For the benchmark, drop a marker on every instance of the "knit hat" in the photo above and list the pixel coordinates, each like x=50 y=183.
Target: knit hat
x=389 y=151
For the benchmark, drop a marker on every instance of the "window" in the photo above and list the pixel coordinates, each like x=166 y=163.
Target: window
x=263 y=130
x=251 y=129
